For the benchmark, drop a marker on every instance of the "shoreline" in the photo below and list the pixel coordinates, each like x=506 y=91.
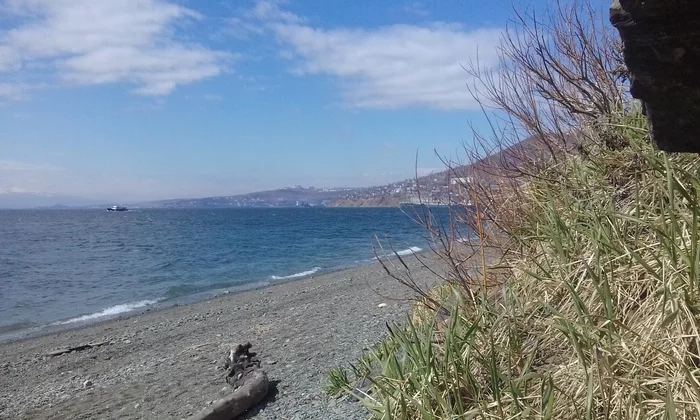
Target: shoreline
x=166 y=363
x=78 y=322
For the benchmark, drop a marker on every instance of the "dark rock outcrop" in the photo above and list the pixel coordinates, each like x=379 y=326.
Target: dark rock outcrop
x=661 y=41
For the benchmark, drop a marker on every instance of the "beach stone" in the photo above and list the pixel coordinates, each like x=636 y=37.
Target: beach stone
x=382 y=305
x=323 y=332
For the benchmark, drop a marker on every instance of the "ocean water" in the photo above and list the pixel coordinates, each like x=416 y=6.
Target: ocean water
x=67 y=267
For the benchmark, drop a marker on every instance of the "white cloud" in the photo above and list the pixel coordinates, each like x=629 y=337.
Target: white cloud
x=8 y=59
x=108 y=41
x=388 y=67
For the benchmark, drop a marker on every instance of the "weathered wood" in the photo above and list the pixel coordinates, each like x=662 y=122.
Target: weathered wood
x=240 y=362
x=253 y=389
x=250 y=386
x=81 y=347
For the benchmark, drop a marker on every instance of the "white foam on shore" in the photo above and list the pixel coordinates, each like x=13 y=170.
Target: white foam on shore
x=111 y=311
x=409 y=251
x=297 y=275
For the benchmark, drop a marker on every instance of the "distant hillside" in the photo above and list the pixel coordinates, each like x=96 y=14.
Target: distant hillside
x=285 y=197
x=438 y=187
x=433 y=188
x=383 y=201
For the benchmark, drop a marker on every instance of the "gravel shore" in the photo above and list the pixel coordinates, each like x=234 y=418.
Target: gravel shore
x=168 y=363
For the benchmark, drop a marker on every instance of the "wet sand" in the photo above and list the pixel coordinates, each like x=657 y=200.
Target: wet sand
x=169 y=363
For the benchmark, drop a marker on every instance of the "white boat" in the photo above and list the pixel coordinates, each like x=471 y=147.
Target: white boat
x=117 y=208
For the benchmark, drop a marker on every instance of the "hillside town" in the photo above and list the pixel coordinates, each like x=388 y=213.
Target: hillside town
x=434 y=189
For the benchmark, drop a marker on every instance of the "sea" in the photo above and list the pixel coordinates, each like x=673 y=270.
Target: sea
x=65 y=268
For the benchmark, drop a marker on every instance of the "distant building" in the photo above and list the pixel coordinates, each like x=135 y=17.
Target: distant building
x=461 y=181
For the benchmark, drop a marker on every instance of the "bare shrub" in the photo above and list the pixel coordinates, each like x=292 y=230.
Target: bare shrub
x=587 y=305
x=559 y=81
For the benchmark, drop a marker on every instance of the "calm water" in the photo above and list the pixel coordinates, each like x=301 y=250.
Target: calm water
x=67 y=267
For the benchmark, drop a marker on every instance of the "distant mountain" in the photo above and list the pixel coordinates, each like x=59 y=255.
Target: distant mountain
x=284 y=197
x=14 y=199
x=433 y=188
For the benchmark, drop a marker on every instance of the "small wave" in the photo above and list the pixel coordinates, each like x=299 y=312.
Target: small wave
x=113 y=310
x=410 y=251
x=297 y=275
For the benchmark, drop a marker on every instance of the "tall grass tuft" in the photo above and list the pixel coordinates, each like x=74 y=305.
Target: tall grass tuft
x=598 y=317
x=590 y=311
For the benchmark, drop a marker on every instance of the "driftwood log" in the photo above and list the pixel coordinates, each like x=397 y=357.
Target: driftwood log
x=250 y=385
x=81 y=347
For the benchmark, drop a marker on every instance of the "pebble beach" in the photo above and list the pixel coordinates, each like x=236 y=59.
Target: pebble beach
x=168 y=363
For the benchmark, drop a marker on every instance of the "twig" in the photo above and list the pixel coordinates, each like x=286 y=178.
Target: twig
x=82 y=347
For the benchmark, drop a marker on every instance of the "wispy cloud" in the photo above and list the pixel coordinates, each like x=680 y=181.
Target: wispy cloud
x=271 y=10
x=388 y=67
x=11 y=166
x=428 y=171
x=14 y=190
x=12 y=91
x=99 y=42
x=248 y=22
x=212 y=97
x=415 y=8
x=148 y=105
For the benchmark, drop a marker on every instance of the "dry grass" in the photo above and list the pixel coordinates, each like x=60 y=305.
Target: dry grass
x=592 y=309
x=597 y=318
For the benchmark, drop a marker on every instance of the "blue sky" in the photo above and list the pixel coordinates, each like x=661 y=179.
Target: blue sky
x=148 y=99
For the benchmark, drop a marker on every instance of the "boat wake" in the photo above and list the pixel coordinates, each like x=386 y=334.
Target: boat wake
x=297 y=275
